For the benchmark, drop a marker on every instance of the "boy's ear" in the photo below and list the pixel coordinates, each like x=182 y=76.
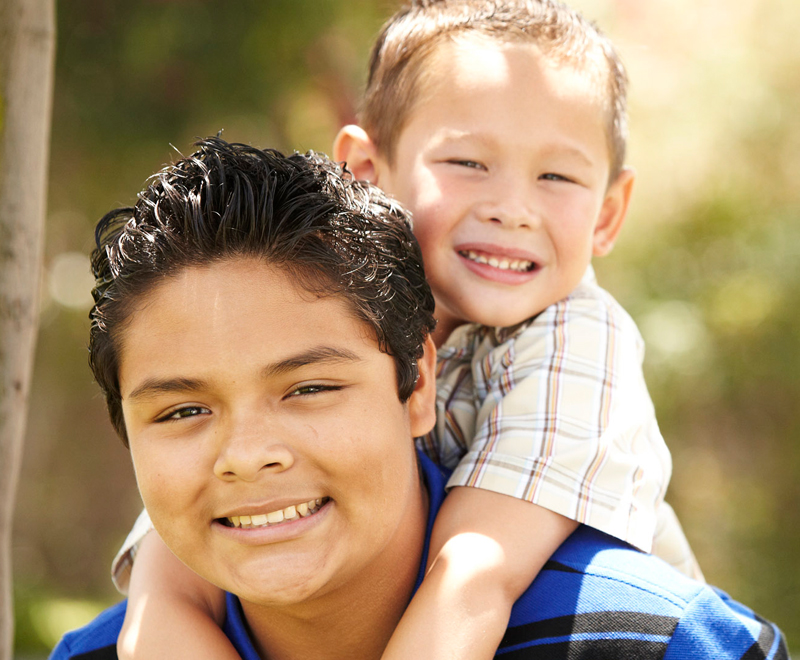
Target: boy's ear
x=612 y=213
x=356 y=148
x=422 y=403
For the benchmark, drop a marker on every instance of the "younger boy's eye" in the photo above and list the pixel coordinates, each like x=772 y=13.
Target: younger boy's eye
x=551 y=176
x=467 y=163
x=183 y=413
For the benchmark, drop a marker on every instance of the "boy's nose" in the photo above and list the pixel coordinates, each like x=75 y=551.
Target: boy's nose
x=512 y=215
x=511 y=206
x=512 y=218
x=250 y=449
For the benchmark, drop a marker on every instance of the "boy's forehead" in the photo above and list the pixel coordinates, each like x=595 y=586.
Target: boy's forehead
x=225 y=290
x=481 y=60
x=475 y=64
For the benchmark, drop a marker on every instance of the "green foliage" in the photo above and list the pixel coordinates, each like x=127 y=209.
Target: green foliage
x=41 y=617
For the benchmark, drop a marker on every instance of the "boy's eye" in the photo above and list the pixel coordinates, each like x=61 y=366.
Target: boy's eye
x=308 y=390
x=183 y=413
x=467 y=163
x=551 y=176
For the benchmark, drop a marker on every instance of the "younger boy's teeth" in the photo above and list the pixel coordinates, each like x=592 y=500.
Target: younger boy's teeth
x=520 y=265
x=293 y=512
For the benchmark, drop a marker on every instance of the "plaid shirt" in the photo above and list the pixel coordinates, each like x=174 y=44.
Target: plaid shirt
x=555 y=411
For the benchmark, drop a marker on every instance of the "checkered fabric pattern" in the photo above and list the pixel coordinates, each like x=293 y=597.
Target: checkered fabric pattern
x=555 y=411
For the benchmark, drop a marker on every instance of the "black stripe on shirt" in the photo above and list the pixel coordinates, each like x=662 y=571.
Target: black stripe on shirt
x=590 y=649
x=766 y=638
x=591 y=622
x=558 y=566
x=105 y=653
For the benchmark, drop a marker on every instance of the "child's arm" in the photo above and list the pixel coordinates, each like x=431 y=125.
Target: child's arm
x=485 y=551
x=172 y=612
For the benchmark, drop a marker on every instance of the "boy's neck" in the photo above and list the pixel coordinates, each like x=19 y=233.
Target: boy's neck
x=349 y=632
x=445 y=324
x=443 y=331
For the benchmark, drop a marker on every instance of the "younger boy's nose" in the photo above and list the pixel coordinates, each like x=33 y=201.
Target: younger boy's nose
x=512 y=219
x=512 y=213
x=510 y=205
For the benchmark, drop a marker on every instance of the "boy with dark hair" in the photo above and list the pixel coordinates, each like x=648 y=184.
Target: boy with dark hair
x=501 y=125
x=261 y=333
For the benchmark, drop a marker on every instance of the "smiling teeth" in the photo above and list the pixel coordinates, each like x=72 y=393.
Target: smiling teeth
x=293 y=512
x=519 y=265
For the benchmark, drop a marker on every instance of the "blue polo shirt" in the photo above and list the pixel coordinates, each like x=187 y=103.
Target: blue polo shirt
x=597 y=598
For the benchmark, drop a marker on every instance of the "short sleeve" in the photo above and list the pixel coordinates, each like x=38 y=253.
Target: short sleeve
x=123 y=562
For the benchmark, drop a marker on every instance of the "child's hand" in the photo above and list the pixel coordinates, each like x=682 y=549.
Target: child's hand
x=172 y=612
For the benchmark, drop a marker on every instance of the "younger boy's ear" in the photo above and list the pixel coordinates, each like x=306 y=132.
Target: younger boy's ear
x=356 y=148
x=612 y=213
x=422 y=403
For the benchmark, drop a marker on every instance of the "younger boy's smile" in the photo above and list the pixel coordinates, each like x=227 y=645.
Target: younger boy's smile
x=500 y=261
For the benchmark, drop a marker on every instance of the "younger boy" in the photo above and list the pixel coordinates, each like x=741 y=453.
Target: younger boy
x=501 y=126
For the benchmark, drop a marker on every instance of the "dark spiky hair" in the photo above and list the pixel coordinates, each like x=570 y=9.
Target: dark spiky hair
x=301 y=213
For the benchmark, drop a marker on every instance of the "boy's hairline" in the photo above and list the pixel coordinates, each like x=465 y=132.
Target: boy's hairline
x=298 y=276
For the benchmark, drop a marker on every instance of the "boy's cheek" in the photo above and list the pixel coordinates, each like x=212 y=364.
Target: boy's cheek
x=431 y=239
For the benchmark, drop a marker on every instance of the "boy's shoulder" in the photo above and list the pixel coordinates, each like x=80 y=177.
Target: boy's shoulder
x=598 y=590
x=96 y=640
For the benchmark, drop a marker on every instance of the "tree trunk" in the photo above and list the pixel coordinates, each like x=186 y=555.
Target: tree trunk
x=27 y=45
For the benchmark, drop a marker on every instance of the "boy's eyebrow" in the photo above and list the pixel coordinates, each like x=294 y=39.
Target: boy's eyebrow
x=314 y=355
x=571 y=151
x=454 y=135
x=155 y=386
x=554 y=148
x=319 y=354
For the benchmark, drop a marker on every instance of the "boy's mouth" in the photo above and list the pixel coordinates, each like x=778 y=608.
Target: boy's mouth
x=293 y=512
x=503 y=263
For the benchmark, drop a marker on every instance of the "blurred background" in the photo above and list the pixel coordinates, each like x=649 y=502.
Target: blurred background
x=708 y=265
